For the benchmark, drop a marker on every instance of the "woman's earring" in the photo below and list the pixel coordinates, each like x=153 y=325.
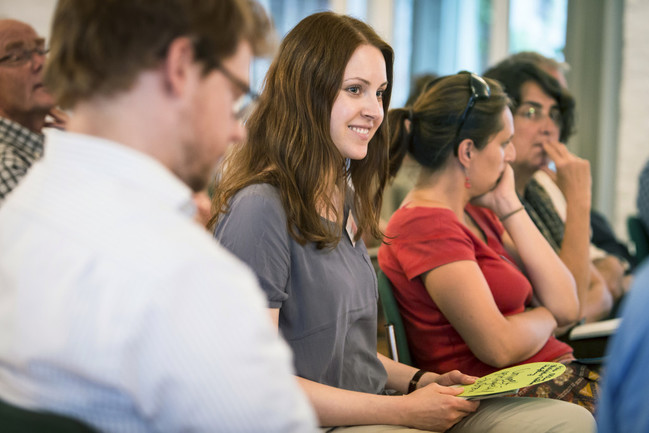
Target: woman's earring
x=467 y=182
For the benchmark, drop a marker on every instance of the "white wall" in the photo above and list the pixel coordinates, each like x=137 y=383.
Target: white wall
x=633 y=142
x=35 y=12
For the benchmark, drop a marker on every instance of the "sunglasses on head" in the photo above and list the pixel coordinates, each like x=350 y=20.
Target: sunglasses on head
x=480 y=91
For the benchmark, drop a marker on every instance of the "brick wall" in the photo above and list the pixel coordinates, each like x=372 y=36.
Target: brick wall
x=633 y=142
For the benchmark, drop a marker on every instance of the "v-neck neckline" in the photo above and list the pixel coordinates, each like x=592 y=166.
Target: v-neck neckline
x=483 y=235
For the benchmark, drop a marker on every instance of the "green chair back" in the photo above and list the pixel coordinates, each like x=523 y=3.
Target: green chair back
x=639 y=237
x=14 y=419
x=396 y=333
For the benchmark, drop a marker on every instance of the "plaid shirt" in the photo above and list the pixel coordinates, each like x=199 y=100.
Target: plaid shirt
x=19 y=148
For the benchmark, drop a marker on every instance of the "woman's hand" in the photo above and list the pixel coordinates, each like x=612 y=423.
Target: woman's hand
x=431 y=407
x=455 y=377
x=203 y=207
x=573 y=174
x=56 y=118
x=435 y=407
x=502 y=199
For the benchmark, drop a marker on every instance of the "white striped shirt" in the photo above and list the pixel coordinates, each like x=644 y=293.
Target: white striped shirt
x=117 y=309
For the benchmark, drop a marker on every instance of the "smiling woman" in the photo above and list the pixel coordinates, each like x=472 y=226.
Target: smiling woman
x=357 y=111
x=320 y=107
x=292 y=203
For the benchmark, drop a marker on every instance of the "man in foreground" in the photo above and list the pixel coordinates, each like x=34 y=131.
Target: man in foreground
x=115 y=307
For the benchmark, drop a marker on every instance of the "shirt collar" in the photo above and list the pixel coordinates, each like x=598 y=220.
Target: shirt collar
x=18 y=136
x=122 y=163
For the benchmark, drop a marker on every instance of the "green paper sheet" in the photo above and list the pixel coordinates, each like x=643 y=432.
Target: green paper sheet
x=510 y=379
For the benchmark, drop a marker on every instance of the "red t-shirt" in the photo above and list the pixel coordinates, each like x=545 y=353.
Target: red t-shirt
x=424 y=238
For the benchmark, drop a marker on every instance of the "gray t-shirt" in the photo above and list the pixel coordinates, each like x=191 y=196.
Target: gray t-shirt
x=327 y=298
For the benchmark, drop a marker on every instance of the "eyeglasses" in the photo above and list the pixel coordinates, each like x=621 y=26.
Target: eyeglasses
x=21 y=57
x=535 y=113
x=244 y=105
x=480 y=91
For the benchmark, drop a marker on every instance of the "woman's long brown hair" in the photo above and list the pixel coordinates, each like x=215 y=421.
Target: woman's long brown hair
x=289 y=144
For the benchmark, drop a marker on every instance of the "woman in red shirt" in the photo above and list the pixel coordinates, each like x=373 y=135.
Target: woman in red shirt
x=478 y=286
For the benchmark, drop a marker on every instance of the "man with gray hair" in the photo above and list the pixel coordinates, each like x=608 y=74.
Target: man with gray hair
x=24 y=101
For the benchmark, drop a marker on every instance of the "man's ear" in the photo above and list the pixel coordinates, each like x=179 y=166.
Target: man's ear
x=465 y=151
x=178 y=65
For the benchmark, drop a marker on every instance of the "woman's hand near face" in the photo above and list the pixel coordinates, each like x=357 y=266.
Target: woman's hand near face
x=56 y=118
x=573 y=174
x=502 y=199
x=574 y=180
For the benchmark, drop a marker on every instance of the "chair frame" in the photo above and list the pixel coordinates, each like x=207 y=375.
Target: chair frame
x=396 y=332
x=14 y=419
x=639 y=236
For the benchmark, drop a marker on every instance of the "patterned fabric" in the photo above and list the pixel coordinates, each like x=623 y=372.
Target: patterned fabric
x=578 y=384
x=19 y=148
x=539 y=206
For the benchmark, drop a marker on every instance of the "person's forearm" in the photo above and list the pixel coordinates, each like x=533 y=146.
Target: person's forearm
x=399 y=375
x=575 y=249
x=433 y=407
x=599 y=301
x=335 y=407
x=574 y=180
x=521 y=337
x=611 y=269
x=553 y=283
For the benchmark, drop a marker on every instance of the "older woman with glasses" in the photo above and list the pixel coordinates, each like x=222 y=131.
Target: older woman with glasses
x=543 y=121
x=478 y=286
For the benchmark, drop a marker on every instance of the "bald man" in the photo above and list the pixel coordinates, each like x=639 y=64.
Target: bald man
x=24 y=102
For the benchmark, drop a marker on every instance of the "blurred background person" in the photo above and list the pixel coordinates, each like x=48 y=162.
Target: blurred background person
x=610 y=256
x=543 y=120
x=24 y=102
